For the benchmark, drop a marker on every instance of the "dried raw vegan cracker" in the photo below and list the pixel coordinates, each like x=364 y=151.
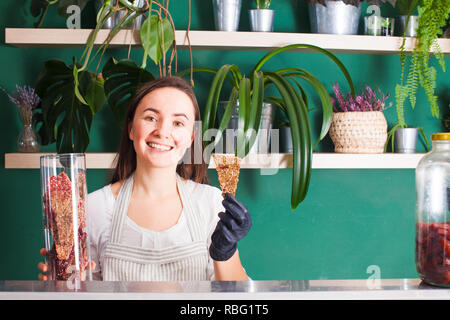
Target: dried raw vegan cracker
x=58 y=208
x=61 y=207
x=227 y=167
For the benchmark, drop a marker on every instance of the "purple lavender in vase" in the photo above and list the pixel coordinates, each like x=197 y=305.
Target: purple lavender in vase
x=26 y=100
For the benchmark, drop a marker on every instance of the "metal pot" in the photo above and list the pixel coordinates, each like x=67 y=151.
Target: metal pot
x=379 y=26
x=334 y=18
x=226 y=14
x=262 y=143
x=405 y=140
x=261 y=20
x=411 y=30
x=114 y=20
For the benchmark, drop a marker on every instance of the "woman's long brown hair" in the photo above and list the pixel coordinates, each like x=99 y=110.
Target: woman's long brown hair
x=126 y=157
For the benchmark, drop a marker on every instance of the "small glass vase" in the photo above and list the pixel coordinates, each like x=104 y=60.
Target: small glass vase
x=28 y=140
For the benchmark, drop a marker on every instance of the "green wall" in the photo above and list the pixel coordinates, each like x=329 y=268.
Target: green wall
x=351 y=219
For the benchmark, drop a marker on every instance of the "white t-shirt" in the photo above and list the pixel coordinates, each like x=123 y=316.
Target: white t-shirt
x=205 y=199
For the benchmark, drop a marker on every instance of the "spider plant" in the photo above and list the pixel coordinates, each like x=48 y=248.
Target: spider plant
x=293 y=102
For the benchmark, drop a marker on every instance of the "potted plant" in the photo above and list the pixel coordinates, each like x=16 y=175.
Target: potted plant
x=226 y=14
x=39 y=8
x=261 y=18
x=72 y=95
x=407 y=22
x=433 y=16
x=358 y=124
x=336 y=16
x=292 y=101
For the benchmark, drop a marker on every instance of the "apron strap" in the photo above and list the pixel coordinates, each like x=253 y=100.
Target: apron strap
x=192 y=217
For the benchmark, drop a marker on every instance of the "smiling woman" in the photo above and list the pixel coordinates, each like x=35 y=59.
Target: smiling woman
x=159 y=220
x=170 y=97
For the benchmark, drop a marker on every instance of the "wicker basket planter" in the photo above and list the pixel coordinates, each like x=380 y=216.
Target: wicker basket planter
x=358 y=132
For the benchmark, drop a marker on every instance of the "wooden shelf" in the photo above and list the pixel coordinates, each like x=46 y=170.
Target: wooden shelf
x=217 y=40
x=269 y=161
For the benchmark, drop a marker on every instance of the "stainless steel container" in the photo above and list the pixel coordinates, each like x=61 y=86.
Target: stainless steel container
x=262 y=143
x=405 y=140
x=226 y=14
x=334 y=18
x=261 y=20
x=64 y=195
x=114 y=20
x=411 y=29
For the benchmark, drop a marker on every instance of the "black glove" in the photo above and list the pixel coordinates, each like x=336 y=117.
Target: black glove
x=233 y=225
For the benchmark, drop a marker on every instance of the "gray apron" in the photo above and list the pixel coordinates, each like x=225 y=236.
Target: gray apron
x=175 y=263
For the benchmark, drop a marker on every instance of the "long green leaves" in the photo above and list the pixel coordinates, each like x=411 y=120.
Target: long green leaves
x=255 y=110
x=293 y=102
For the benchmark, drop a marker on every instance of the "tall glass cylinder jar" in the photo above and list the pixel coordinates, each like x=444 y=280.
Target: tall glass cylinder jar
x=432 y=213
x=63 y=190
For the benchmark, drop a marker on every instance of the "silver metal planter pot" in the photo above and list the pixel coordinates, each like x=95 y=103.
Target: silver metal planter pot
x=336 y=18
x=405 y=140
x=261 y=20
x=262 y=143
x=114 y=20
x=226 y=14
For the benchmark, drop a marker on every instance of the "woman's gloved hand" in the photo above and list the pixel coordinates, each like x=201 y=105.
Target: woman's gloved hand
x=233 y=225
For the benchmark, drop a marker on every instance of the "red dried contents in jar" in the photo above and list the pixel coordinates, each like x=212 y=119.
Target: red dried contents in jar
x=433 y=252
x=58 y=208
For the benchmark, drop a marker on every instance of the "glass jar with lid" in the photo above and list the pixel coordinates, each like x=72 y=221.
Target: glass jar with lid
x=432 y=213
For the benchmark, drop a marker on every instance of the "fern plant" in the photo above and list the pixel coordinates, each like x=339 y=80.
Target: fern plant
x=433 y=15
